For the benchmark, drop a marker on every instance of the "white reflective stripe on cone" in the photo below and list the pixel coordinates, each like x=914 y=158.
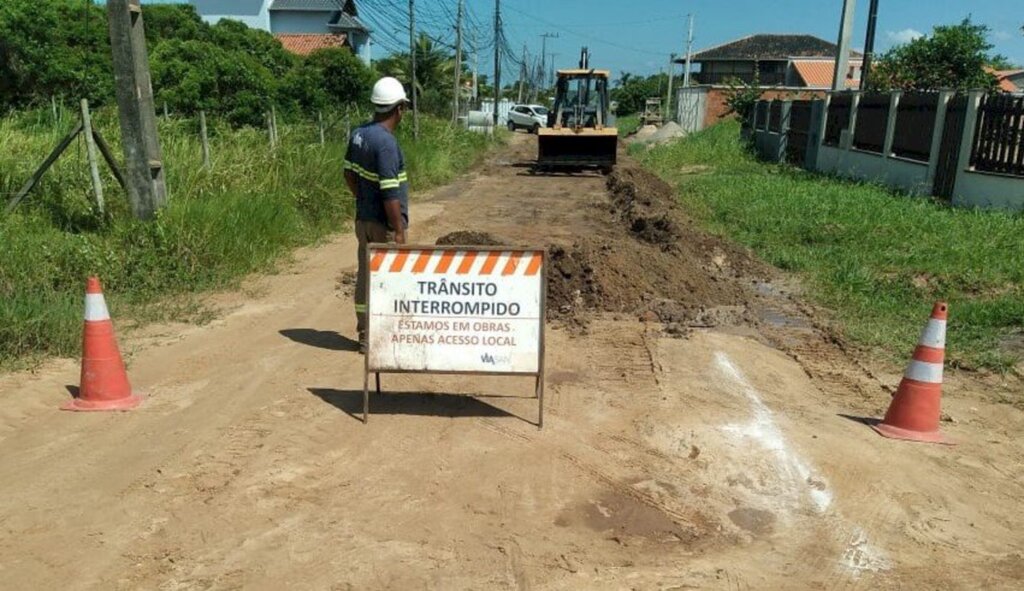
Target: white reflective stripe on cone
x=934 y=334
x=924 y=372
x=96 y=307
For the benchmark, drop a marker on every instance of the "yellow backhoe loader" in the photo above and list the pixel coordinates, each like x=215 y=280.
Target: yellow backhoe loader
x=578 y=133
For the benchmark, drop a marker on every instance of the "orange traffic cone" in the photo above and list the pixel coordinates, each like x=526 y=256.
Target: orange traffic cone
x=915 y=410
x=104 y=383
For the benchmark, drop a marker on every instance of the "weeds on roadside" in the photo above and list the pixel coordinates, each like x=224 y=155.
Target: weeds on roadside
x=240 y=215
x=877 y=258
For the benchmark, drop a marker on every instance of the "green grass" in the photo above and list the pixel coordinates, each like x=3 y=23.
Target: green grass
x=628 y=124
x=241 y=215
x=877 y=258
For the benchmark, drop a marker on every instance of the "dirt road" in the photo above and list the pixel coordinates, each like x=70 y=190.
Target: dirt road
x=695 y=436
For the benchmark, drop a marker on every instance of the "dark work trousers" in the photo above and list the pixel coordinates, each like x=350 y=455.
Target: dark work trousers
x=366 y=233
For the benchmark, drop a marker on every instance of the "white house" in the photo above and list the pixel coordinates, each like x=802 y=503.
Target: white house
x=301 y=25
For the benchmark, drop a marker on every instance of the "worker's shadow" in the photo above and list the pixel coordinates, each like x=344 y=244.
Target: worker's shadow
x=323 y=339
x=410 y=403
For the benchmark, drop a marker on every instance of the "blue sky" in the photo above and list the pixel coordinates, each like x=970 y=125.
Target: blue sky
x=638 y=36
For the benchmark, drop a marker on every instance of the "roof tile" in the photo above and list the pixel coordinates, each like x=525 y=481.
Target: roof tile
x=302 y=44
x=819 y=73
x=771 y=47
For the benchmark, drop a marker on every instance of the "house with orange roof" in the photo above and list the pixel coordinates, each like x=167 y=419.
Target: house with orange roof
x=1009 y=80
x=302 y=26
x=787 y=60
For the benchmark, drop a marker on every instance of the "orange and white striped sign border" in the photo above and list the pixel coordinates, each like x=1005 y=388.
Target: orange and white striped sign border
x=452 y=261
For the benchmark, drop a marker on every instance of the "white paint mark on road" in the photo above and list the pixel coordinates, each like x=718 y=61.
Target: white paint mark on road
x=764 y=430
x=860 y=556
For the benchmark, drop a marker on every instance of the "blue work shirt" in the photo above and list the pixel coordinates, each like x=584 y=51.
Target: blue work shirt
x=377 y=161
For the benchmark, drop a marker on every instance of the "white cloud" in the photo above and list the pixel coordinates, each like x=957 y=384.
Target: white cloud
x=904 y=36
x=1002 y=35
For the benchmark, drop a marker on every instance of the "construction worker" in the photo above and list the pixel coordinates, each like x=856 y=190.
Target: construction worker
x=375 y=173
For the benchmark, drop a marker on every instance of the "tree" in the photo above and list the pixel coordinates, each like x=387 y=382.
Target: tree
x=194 y=75
x=632 y=92
x=60 y=48
x=54 y=48
x=435 y=69
x=951 y=57
x=742 y=97
x=327 y=78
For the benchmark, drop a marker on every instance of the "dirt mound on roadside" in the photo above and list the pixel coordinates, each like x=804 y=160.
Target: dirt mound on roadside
x=654 y=264
x=468 y=238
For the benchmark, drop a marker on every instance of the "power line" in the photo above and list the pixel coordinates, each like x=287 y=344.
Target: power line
x=592 y=38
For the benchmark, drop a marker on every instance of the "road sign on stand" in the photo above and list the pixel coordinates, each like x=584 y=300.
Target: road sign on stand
x=456 y=310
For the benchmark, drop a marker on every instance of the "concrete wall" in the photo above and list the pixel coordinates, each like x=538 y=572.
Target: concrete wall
x=971 y=188
x=989 y=191
x=487 y=106
x=770 y=146
x=896 y=172
x=299 y=22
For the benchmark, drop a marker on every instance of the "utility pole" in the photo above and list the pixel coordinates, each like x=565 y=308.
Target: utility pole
x=412 y=55
x=671 y=80
x=869 y=45
x=458 y=65
x=544 y=52
x=551 y=81
x=689 y=52
x=497 y=58
x=146 y=183
x=522 y=75
x=476 y=72
x=843 y=51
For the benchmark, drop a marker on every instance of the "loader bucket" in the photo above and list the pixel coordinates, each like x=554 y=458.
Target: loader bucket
x=570 y=148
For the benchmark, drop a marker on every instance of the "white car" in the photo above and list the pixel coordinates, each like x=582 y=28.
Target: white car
x=531 y=117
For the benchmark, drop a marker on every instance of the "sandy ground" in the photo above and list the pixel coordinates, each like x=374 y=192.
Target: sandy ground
x=730 y=458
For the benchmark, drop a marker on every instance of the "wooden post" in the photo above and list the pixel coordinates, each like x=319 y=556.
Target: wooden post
x=38 y=174
x=273 y=125
x=53 y=106
x=90 y=150
x=147 y=186
x=108 y=155
x=166 y=114
x=320 y=125
x=270 y=131
x=205 y=138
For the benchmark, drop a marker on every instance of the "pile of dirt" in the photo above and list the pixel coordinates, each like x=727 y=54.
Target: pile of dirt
x=469 y=238
x=666 y=133
x=654 y=263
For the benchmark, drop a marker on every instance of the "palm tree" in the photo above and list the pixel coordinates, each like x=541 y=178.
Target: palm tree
x=434 y=66
x=435 y=69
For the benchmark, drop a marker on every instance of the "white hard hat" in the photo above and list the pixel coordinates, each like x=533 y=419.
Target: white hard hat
x=387 y=93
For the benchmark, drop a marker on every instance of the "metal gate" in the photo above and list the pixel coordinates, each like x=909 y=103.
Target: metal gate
x=949 y=148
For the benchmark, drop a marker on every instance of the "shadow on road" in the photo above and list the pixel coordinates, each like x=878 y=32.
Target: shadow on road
x=323 y=339
x=410 y=403
x=869 y=421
